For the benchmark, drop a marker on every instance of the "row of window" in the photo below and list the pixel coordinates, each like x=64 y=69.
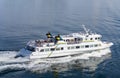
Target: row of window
x=71 y=40
x=51 y=49
x=95 y=38
x=84 y=46
x=69 y=48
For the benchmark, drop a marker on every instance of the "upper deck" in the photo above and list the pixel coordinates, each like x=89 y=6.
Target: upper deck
x=74 y=38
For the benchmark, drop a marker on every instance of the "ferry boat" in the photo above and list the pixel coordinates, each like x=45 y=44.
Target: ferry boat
x=65 y=45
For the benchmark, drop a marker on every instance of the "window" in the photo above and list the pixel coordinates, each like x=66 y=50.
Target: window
x=79 y=39
x=37 y=49
x=91 y=45
x=47 y=49
x=82 y=46
x=67 y=40
x=72 y=47
x=98 y=38
x=68 y=48
x=91 y=38
x=87 y=35
x=72 y=40
x=30 y=48
x=42 y=50
x=96 y=45
x=77 y=47
x=57 y=49
x=61 y=48
x=86 y=46
x=99 y=44
x=75 y=39
x=52 y=49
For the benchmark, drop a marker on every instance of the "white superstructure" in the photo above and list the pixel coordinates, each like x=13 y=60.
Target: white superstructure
x=72 y=44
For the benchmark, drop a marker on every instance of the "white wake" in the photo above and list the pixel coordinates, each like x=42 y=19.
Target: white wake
x=7 y=61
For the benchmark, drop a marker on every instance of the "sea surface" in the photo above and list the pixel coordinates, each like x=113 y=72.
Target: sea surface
x=24 y=20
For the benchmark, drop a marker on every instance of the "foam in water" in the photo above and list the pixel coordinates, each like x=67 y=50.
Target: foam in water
x=7 y=61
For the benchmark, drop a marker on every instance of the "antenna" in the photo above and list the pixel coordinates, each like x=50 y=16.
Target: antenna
x=85 y=29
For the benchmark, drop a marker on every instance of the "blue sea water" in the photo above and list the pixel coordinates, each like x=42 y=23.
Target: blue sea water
x=24 y=20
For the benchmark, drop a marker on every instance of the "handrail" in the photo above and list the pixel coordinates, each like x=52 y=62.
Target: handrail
x=52 y=51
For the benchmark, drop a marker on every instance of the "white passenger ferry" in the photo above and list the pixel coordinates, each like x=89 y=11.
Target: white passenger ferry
x=65 y=45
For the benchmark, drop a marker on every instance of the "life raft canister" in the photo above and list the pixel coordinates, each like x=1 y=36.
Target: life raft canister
x=49 y=35
x=58 y=38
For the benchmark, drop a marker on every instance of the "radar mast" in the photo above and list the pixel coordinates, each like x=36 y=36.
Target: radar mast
x=85 y=29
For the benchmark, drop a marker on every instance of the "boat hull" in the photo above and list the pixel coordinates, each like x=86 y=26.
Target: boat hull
x=38 y=55
x=53 y=54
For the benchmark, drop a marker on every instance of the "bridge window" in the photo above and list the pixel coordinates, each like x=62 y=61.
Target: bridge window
x=98 y=38
x=30 y=48
x=95 y=38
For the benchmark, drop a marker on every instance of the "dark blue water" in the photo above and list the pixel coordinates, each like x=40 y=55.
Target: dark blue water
x=24 y=20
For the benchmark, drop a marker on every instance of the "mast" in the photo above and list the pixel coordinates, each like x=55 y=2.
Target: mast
x=85 y=29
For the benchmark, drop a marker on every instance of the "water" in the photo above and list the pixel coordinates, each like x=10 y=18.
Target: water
x=24 y=20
